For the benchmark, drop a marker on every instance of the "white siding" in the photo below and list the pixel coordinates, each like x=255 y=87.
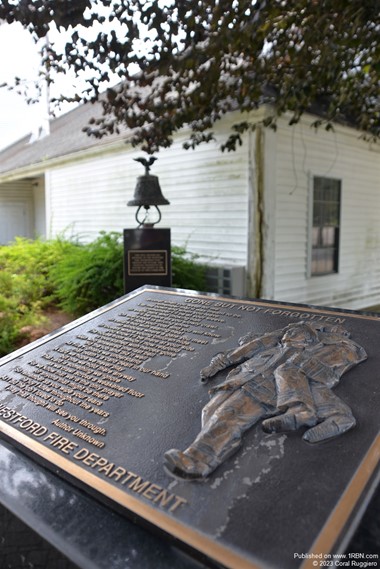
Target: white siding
x=302 y=153
x=19 y=194
x=210 y=193
x=207 y=191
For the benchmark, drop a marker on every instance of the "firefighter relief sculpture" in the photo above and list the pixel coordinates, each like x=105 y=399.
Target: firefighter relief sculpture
x=284 y=378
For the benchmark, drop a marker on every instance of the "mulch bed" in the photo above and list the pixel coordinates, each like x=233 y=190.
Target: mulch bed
x=55 y=319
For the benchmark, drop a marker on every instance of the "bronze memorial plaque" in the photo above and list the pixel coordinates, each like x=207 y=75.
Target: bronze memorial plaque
x=148 y=262
x=246 y=430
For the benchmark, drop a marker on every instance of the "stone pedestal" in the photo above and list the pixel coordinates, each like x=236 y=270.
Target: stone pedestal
x=47 y=523
x=147 y=257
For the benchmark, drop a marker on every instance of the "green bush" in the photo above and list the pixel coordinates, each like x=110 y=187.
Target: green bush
x=26 y=265
x=14 y=319
x=10 y=324
x=186 y=272
x=91 y=275
x=25 y=285
x=79 y=278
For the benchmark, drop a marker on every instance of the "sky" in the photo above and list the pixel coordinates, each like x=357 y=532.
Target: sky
x=19 y=58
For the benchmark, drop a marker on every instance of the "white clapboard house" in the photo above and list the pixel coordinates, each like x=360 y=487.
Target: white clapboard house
x=292 y=215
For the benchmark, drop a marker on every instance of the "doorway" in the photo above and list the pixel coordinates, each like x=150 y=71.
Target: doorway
x=14 y=221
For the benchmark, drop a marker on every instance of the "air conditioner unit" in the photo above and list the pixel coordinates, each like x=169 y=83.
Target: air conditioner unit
x=226 y=280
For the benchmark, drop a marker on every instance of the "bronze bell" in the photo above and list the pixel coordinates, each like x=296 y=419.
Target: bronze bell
x=147 y=192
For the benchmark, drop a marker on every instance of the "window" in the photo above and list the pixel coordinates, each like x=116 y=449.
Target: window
x=326 y=225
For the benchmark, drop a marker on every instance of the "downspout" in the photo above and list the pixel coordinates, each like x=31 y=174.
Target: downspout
x=256 y=225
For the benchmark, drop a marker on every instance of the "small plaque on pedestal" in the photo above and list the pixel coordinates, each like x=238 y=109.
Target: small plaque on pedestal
x=247 y=431
x=146 y=257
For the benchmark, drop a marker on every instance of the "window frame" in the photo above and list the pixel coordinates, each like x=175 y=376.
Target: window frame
x=311 y=201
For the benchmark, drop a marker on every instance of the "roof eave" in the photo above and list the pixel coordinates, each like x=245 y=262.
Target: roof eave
x=38 y=168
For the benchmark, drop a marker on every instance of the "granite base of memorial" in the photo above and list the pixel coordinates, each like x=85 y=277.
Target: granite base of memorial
x=179 y=429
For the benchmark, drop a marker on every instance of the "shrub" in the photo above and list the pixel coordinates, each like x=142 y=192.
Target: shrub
x=25 y=286
x=80 y=278
x=26 y=265
x=91 y=275
x=187 y=273
x=14 y=319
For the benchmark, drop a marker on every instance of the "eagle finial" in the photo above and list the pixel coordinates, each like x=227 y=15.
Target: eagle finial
x=146 y=162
